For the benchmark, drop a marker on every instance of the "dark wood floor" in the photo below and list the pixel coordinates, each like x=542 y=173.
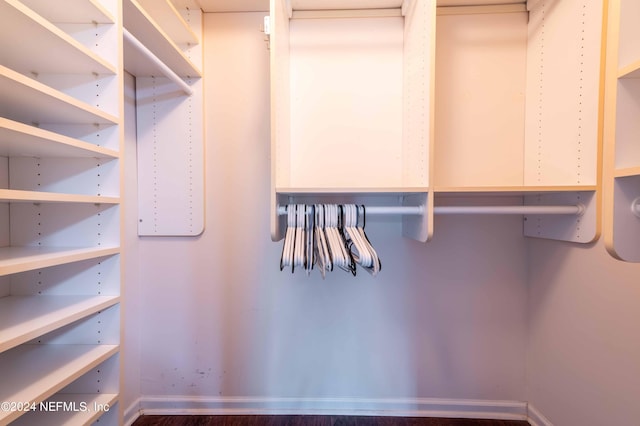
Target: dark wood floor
x=315 y=421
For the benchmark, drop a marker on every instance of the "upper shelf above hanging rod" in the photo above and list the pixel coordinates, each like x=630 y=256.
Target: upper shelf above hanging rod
x=140 y=48
x=577 y=210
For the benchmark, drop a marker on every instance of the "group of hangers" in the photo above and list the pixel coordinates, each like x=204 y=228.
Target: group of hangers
x=327 y=236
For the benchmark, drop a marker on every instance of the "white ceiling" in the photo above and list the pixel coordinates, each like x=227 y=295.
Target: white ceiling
x=263 y=5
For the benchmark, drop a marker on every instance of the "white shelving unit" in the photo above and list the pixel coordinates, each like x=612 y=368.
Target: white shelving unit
x=622 y=131
x=153 y=34
x=163 y=51
x=351 y=102
x=61 y=97
x=506 y=87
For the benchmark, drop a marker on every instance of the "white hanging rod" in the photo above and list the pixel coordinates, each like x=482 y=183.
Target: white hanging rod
x=419 y=210
x=164 y=69
x=379 y=210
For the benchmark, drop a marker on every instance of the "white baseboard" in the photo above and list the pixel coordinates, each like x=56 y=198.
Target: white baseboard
x=535 y=417
x=409 y=407
x=131 y=413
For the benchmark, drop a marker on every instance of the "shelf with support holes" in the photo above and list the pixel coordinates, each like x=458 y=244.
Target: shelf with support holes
x=164 y=12
x=23 y=318
x=35 y=372
x=144 y=28
x=69 y=409
x=18 y=196
x=19 y=259
x=38 y=38
x=23 y=140
x=29 y=101
x=75 y=11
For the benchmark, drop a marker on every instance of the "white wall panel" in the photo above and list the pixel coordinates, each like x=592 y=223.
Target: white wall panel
x=583 y=346
x=480 y=106
x=170 y=158
x=131 y=292
x=563 y=57
x=346 y=98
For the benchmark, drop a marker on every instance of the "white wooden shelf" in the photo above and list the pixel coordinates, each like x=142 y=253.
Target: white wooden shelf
x=148 y=32
x=23 y=318
x=73 y=12
x=22 y=140
x=164 y=13
x=18 y=196
x=344 y=4
x=35 y=372
x=342 y=190
x=28 y=41
x=93 y=403
x=627 y=172
x=630 y=71
x=29 y=101
x=509 y=190
x=142 y=62
x=21 y=259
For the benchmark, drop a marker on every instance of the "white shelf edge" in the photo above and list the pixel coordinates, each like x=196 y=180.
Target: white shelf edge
x=50 y=30
x=14 y=136
x=345 y=4
x=523 y=190
x=35 y=87
x=478 y=9
x=630 y=71
x=23 y=318
x=35 y=372
x=93 y=402
x=626 y=172
x=20 y=259
x=352 y=190
x=169 y=19
x=17 y=196
x=347 y=13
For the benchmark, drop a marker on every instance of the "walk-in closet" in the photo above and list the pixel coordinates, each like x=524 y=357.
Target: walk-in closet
x=398 y=208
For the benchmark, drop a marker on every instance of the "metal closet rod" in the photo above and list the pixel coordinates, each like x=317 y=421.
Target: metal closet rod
x=577 y=210
x=166 y=71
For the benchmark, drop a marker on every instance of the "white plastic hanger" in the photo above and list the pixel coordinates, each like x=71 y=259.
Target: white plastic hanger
x=359 y=248
x=375 y=265
x=286 y=259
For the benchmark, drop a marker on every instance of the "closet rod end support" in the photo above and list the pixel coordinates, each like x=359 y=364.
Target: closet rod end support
x=635 y=207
